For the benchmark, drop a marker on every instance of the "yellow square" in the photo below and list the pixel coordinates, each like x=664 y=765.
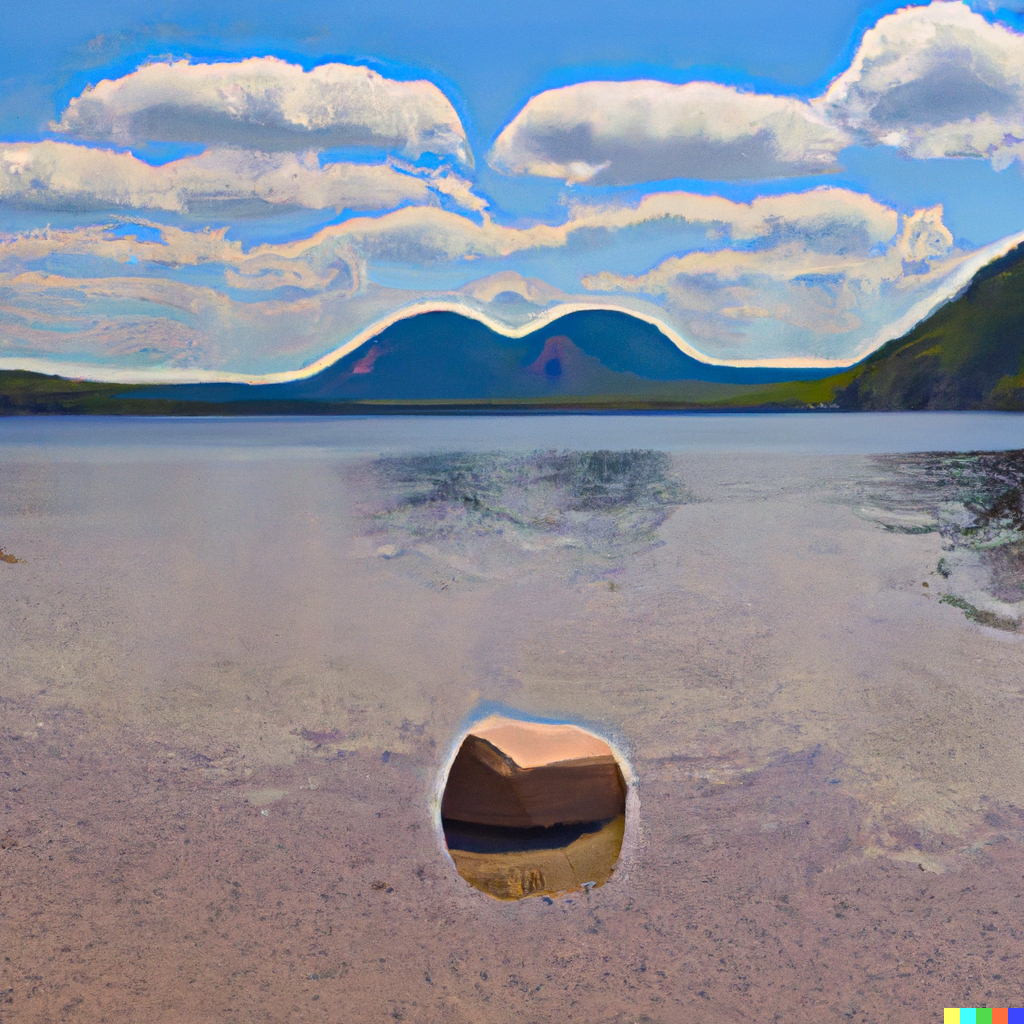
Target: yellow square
x=952 y=1015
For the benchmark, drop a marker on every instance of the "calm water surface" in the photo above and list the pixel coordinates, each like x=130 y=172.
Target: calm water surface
x=144 y=438
x=236 y=655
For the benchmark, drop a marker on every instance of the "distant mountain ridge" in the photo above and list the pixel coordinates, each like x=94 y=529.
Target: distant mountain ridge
x=967 y=355
x=444 y=356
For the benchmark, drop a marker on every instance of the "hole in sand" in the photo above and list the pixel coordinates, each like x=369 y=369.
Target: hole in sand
x=532 y=809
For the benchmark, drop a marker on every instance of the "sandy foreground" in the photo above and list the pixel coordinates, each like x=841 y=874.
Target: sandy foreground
x=227 y=690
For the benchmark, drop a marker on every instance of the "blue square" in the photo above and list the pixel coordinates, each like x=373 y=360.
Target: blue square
x=1016 y=1015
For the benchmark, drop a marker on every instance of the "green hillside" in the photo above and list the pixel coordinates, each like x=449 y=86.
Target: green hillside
x=969 y=354
x=23 y=394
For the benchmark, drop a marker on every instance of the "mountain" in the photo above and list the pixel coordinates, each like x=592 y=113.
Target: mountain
x=446 y=357
x=969 y=354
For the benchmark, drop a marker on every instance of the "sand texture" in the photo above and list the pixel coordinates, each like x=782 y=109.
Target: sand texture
x=228 y=687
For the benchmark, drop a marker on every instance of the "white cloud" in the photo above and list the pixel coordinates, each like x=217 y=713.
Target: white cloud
x=626 y=132
x=123 y=326
x=60 y=175
x=796 y=254
x=266 y=103
x=833 y=218
x=798 y=293
x=507 y=284
x=316 y=269
x=828 y=220
x=809 y=275
x=936 y=81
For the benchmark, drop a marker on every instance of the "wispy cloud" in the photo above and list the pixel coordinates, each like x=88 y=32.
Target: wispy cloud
x=803 y=291
x=419 y=235
x=60 y=175
x=162 y=248
x=268 y=104
x=1014 y=6
x=829 y=218
x=935 y=81
x=807 y=275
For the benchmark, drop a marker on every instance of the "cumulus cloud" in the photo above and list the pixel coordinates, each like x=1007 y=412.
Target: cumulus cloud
x=60 y=175
x=627 y=132
x=935 y=81
x=268 y=104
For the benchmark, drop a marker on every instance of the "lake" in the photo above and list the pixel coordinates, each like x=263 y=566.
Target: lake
x=825 y=433
x=238 y=654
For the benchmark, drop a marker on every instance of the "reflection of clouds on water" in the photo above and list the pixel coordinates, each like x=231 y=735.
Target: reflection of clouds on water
x=975 y=503
x=803 y=721
x=447 y=506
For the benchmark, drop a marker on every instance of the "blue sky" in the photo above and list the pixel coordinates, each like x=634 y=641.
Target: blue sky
x=802 y=202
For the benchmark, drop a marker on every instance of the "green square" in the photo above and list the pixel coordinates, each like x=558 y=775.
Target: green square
x=983 y=1016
